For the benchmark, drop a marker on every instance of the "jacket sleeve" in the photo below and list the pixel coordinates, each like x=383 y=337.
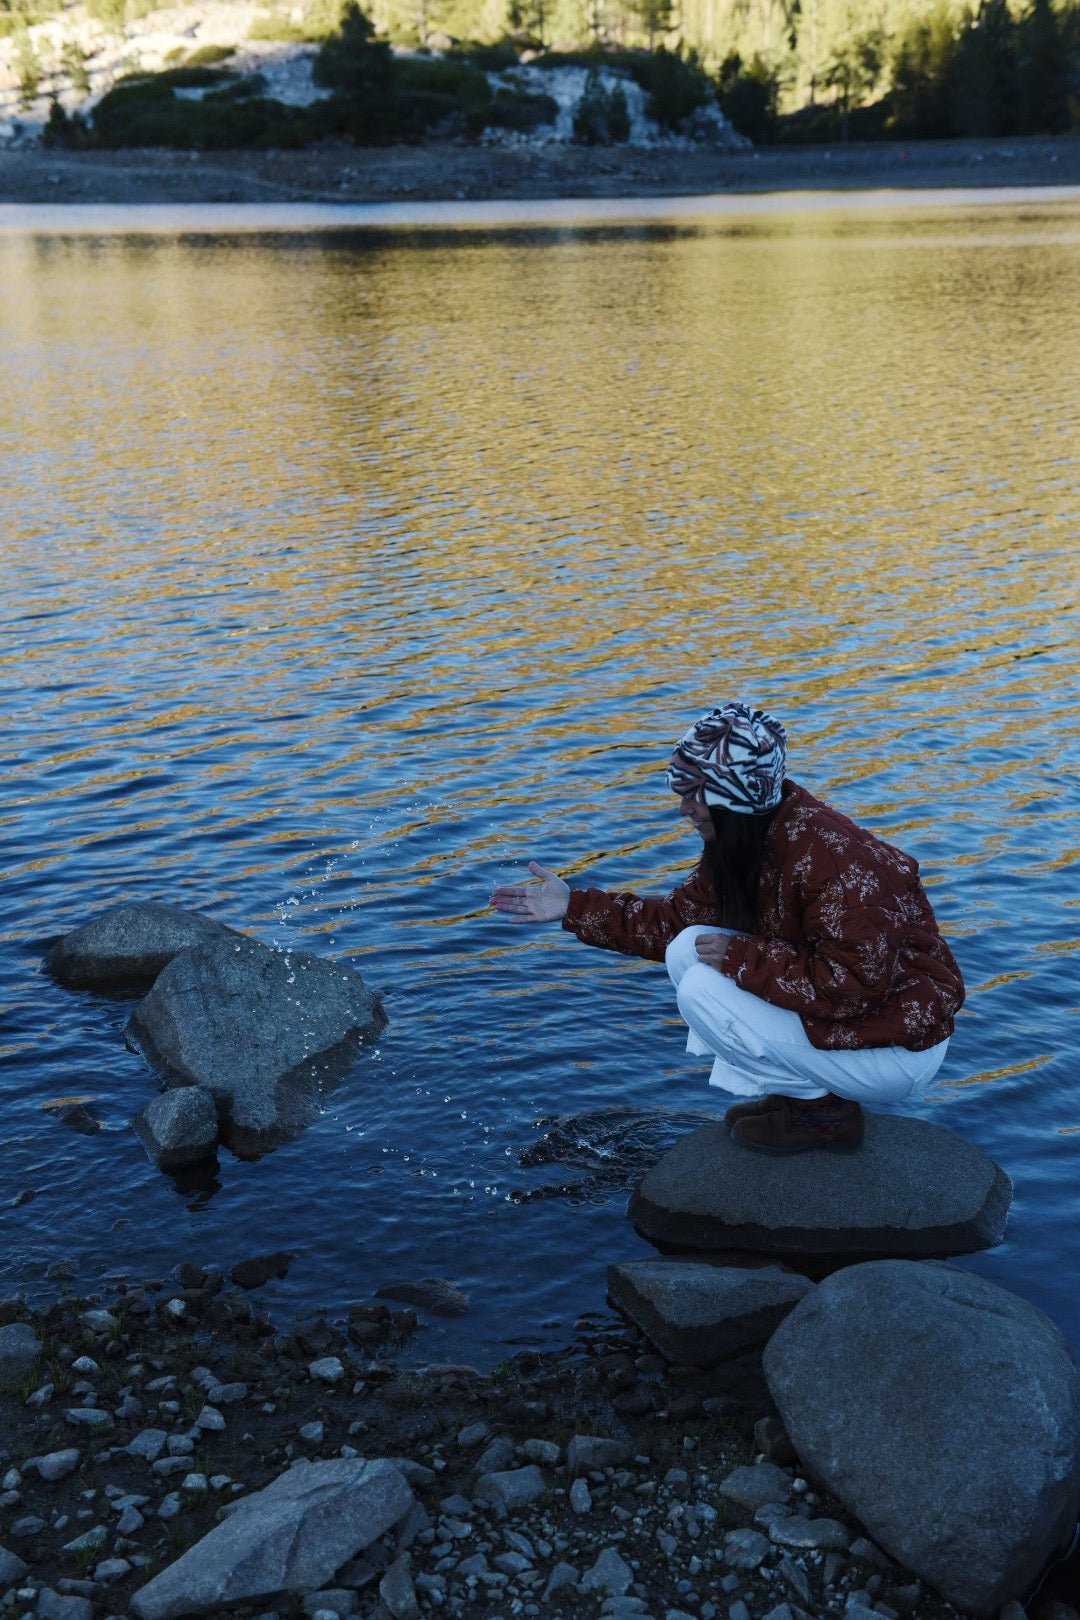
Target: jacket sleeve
x=638 y=925
x=845 y=963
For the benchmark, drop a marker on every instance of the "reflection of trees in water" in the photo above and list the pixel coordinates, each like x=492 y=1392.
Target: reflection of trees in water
x=609 y=1147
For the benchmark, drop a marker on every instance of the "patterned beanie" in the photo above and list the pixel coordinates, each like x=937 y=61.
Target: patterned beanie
x=734 y=756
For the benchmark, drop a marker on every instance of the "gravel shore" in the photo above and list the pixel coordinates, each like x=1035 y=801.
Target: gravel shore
x=150 y=1411
x=335 y=172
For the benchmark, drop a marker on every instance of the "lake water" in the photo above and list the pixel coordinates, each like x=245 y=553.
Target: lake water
x=347 y=569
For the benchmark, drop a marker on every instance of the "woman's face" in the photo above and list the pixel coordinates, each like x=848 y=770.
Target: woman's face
x=696 y=811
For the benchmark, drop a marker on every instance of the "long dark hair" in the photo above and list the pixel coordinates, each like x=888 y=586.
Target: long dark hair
x=733 y=860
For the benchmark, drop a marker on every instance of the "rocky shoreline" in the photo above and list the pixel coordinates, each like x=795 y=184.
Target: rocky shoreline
x=597 y=1481
x=456 y=171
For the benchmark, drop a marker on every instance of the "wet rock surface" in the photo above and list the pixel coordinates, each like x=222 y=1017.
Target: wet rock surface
x=125 y=947
x=179 y=1128
x=265 y=1032
x=972 y=1396
x=208 y=1408
x=912 y=1189
x=698 y=1313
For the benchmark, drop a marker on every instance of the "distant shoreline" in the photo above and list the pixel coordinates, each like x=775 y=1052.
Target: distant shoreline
x=337 y=172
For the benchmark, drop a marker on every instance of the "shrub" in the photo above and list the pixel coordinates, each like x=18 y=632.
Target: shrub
x=27 y=68
x=748 y=96
x=676 y=84
x=147 y=112
x=601 y=116
x=209 y=55
x=518 y=109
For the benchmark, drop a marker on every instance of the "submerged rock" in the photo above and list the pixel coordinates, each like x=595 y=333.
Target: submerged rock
x=179 y=1128
x=291 y=1537
x=434 y=1294
x=265 y=1032
x=125 y=947
x=913 y=1189
x=699 y=1314
x=944 y=1412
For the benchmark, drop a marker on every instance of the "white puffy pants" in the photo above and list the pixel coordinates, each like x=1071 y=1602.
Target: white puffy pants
x=758 y=1048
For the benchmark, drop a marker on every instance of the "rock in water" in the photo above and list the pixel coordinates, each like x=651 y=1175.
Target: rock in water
x=178 y=1129
x=912 y=1189
x=699 y=1314
x=944 y=1412
x=291 y=1537
x=126 y=947
x=265 y=1032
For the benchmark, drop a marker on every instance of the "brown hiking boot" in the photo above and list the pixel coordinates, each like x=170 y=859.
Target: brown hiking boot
x=829 y=1123
x=753 y=1105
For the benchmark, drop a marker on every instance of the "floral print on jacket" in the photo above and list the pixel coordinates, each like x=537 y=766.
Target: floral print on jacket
x=845 y=934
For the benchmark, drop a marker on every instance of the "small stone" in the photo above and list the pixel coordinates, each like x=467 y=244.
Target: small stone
x=180 y=1445
x=195 y=1484
x=609 y=1574
x=170 y=1506
x=780 y=1612
x=473 y=1434
x=397 y=1591
x=57 y=1464
x=210 y=1420
x=587 y=1453
x=30 y=1525
x=88 y=1417
x=312 y=1433
x=42 y=1396
x=327 y=1370
x=580 y=1497
x=771 y=1439
x=89 y=1541
x=497 y=1456
x=111 y=1569
x=99 y=1322
x=545 y=1452
x=745 y=1549
x=55 y=1606
x=563 y=1575
x=738 y=1611
x=823 y=1535
x=753 y=1486
x=87 y=1366
x=12 y=1568
x=512 y=1488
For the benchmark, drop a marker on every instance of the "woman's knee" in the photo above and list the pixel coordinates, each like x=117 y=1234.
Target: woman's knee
x=681 y=955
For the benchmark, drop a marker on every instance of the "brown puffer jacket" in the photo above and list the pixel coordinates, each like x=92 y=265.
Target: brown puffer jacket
x=845 y=935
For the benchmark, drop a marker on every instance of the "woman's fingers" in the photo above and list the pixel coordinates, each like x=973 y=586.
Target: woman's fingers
x=543 y=901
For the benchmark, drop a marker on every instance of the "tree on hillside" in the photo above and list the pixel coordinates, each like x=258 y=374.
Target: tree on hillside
x=985 y=97
x=1042 y=86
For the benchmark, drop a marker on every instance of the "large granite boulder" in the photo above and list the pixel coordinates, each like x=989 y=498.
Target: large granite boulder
x=264 y=1031
x=20 y=1349
x=912 y=1189
x=124 y=948
x=944 y=1412
x=291 y=1537
x=700 y=1314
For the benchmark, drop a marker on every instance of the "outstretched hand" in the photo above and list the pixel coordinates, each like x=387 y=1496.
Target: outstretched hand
x=544 y=901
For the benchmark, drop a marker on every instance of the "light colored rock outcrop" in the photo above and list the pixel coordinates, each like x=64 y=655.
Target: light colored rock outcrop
x=944 y=1412
x=179 y=1128
x=912 y=1189
x=125 y=947
x=264 y=1031
x=699 y=1314
x=291 y=1537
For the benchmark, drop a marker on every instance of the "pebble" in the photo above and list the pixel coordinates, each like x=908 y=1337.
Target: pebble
x=580 y=1496
x=312 y=1433
x=327 y=1370
x=88 y=1417
x=609 y=1572
x=745 y=1549
x=57 y=1464
x=211 y=1420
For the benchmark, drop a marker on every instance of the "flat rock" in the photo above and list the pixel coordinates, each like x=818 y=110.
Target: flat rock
x=258 y=1269
x=291 y=1537
x=944 y=1412
x=125 y=947
x=179 y=1128
x=913 y=1189
x=265 y=1032
x=697 y=1314
x=20 y=1348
